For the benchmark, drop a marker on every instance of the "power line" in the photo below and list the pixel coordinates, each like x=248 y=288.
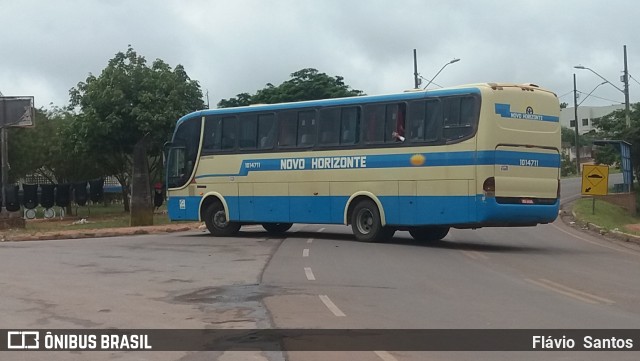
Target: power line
x=595 y=96
x=634 y=79
x=565 y=94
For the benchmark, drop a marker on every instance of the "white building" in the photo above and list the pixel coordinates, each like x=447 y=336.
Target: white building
x=586 y=115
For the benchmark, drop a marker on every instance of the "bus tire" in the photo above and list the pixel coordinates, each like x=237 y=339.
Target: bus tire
x=277 y=228
x=429 y=233
x=217 y=222
x=366 y=224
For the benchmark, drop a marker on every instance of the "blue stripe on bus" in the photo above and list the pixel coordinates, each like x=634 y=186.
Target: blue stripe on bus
x=399 y=210
x=504 y=110
x=442 y=159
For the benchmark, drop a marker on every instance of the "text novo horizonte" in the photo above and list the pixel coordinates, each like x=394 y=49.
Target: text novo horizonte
x=324 y=163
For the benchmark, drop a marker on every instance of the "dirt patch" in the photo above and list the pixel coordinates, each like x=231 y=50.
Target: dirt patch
x=104 y=232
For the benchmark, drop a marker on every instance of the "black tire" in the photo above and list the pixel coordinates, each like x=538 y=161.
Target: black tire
x=217 y=223
x=429 y=233
x=277 y=228
x=366 y=224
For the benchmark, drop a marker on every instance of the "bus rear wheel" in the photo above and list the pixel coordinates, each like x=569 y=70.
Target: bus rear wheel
x=277 y=228
x=366 y=223
x=429 y=233
x=217 y=221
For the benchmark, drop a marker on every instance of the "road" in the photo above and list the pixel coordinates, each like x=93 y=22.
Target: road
x=549 y=276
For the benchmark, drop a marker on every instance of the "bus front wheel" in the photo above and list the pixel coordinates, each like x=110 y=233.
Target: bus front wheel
x=429 y=233
x=217 y=222
x=366 y=224
x=277 y=228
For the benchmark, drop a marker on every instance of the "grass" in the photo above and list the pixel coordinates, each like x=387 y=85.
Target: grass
x=606 y=215
x=97 y=217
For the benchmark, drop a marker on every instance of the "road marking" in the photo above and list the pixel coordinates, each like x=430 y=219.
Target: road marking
x=305 y=252
x=310 y=240
x=321 y=230
x=571 y=292
x=331 y=306
x=309 y=273
x=475 y=255
x=627 y=251
x=385 y=356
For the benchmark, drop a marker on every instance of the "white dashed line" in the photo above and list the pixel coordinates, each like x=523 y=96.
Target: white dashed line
x=385 y=355
x=309 y=273
x=305 y=252
x=310 y=240
x=331 y=306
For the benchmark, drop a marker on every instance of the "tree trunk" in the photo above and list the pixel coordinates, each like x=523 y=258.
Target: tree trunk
x=141 y=199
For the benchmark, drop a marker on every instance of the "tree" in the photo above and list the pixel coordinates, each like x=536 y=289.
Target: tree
x=127 y=102
x=47 y=150
x=564 y=105
x=305 y=84
x=613 y=126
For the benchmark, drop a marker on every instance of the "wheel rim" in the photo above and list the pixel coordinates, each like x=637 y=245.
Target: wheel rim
x=364 y=221
x=220 y=219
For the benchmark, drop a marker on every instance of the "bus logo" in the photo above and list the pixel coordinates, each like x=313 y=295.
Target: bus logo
x=183 y=204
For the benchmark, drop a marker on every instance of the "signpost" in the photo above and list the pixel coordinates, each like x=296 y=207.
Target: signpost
x=14 y=112
x=595 y=182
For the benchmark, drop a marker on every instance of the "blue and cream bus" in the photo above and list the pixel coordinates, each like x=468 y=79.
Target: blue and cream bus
x=482 y=155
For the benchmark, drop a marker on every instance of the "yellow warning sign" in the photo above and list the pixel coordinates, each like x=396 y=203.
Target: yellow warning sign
x=595 y=180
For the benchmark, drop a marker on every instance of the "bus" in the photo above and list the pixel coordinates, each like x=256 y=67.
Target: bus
x=471 y=156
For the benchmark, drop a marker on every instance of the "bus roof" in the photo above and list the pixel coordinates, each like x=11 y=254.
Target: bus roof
x=408 y=95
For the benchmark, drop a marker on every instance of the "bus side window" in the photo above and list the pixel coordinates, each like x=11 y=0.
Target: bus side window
x=416 y=121
x=229 y=133
x=374 y=125
x=266 y=131
x=306 y=128
x=458 y=116
x=248 y=131
x=329 y=127
x=350 y=125
x=396 y=114
x=212 y=134
x=287 y=129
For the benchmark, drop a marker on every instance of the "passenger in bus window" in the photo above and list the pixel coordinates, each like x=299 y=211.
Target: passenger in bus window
x=398 y=136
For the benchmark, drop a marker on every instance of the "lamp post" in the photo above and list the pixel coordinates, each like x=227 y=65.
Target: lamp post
x=575 y=110
x=626 y=85
x=439 y=71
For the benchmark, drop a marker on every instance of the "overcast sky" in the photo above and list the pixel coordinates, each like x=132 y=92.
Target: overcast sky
x=47 y=47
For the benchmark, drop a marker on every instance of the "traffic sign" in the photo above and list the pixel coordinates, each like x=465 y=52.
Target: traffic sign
x=595 y=180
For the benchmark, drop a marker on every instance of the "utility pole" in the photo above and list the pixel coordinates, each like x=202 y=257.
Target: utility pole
x=575 y=110
x=416 y=80
x=626 y=89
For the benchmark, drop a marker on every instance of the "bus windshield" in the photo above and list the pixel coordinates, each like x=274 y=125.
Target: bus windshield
x=182 y=153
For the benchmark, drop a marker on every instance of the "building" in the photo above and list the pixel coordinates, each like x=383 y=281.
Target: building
x=586 y=116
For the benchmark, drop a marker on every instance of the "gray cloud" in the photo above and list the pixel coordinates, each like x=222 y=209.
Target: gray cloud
x=239 y=46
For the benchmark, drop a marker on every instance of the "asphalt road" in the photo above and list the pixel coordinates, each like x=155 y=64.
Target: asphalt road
x=549 y=276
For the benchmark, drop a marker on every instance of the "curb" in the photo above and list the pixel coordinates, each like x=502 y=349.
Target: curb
x=101 y=233
x=594 y=228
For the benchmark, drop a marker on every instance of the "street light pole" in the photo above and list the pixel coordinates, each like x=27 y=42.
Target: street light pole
x=575 y=109
x=441 y=69
x=626 y=89
x=416 y=80
x=626 y=86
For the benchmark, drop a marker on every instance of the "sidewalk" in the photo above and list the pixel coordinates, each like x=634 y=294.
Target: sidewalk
x=98 y=233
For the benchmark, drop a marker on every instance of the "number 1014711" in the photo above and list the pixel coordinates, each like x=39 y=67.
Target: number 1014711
x=529 y=162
